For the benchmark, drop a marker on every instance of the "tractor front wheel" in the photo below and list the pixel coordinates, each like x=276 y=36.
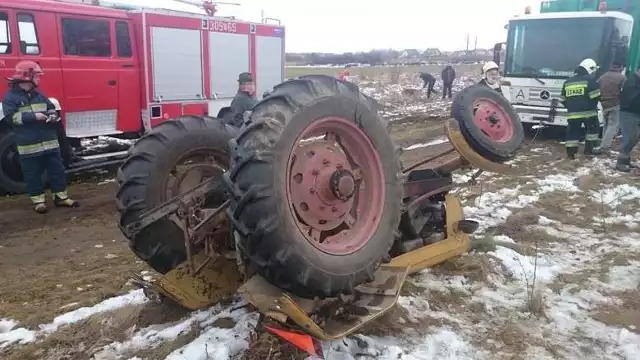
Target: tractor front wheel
x=173 y=158
x=315 y=188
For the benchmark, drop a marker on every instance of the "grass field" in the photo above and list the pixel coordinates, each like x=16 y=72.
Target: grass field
x=374 y=71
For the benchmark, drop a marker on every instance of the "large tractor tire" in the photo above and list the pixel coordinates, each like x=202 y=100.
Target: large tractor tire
x=171 y=159
x=11 y=180
x=315 y=188
x=488 y=122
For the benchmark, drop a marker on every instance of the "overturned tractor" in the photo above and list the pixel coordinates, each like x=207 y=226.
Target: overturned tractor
x=306 y=209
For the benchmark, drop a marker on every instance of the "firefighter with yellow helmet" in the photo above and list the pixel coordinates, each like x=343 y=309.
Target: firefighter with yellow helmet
x=580 y=95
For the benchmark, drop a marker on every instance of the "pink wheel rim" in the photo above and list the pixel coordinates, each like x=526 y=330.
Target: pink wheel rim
x=492 y=120
x=335 y=185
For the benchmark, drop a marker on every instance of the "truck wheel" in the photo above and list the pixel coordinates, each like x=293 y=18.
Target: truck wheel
x=11 y=180
x=488 y=122
x=171 y=159
x=315 y=186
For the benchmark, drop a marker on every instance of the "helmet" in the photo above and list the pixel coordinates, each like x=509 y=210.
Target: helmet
x=490 y=66
x=589 y=65
x=244 y=78
x=25 y=71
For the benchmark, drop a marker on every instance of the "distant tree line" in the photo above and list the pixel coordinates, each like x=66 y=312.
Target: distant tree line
x=380 y=57
x=374 y=57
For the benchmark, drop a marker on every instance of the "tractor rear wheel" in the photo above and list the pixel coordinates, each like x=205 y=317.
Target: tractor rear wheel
x=171 y=159
x=315 y=188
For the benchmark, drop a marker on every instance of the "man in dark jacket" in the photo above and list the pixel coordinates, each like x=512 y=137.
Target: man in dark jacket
x=429 y=82
x=448 y=75
x=243 y=101
x=610 y=87
x=32 y=117
x=580 y=95
x=629 y=120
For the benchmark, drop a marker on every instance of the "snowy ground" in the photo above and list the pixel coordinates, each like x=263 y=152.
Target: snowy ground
x=403 y=96
x=554 y=274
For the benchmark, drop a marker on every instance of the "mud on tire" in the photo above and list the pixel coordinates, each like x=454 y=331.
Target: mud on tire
x=142 y=182
x=488 y=122
x=268 y=227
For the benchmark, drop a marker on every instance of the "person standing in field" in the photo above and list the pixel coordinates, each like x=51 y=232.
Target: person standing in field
x=629 y=121
x=448 y=75
x=611 y=84
x=32 y=117
x=429 y=82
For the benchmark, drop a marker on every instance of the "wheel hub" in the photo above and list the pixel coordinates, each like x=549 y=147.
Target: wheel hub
x=335 y=185
x=323 y=185
x=492 y=120
x=343 y=185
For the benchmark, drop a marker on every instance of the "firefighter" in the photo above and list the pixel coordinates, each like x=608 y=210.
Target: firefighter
x=448 y=75
x=580 y=95
x=429 y=82
x=243 y=101
x=33 y=120
x=491 y=76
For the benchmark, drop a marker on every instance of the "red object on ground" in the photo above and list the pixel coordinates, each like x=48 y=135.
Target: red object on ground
x=300 y=340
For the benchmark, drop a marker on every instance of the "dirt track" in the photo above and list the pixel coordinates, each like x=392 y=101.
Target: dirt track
x=79 y=256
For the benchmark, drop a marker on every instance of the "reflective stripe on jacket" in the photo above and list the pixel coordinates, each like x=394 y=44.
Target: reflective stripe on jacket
x=580 y=95
x=33 y=137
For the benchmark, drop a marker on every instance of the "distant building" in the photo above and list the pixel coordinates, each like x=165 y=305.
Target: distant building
x=410 y=54
x=432 y=52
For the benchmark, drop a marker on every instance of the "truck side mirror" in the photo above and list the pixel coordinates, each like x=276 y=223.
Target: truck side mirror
x=497 y=49
x=620 y=53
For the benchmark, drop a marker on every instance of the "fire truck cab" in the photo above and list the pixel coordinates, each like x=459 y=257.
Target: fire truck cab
x=117 y=72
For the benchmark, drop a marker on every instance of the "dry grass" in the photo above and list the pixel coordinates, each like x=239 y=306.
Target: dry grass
x=398 y=321
x=624 y=315
x=475 y=267
x=267 y=346
x=163 y=350
x=380 y=72
x=82 y=339
x=600 y=269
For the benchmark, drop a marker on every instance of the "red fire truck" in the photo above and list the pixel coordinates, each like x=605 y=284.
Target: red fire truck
x=116 y=72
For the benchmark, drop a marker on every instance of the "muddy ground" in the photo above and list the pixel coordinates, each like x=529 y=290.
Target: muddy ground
x=53 y=263
x=79 y=256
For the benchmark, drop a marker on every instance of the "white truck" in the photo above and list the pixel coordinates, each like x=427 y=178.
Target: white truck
x=543 y=50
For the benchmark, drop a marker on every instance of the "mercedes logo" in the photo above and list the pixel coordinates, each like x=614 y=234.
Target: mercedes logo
x=544 y=95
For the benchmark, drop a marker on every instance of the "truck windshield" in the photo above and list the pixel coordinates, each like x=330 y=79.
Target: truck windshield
x=553 y=48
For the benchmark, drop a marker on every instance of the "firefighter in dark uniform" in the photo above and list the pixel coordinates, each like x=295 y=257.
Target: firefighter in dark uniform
x=580 y=95
x=243 y=101
x=33 y=119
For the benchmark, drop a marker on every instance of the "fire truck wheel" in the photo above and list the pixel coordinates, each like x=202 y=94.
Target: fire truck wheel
x=315 y=188
x=152 y=175
x=10 y=172
x=488 y=122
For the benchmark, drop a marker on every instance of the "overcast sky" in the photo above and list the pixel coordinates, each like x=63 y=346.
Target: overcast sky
x=361 y=25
